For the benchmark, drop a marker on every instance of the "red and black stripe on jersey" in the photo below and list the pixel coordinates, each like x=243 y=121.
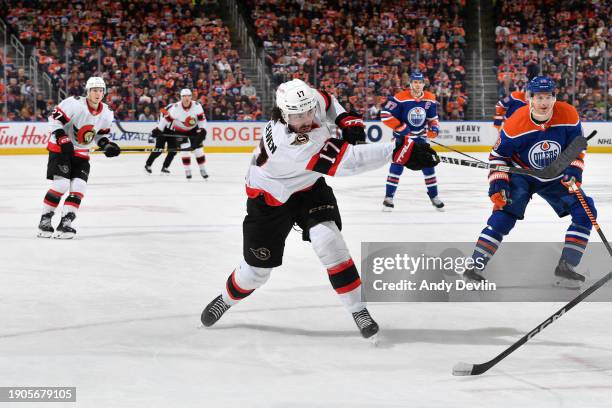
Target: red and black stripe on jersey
x=344 y=276
x=235 y=291
x=329 y=157
x=327 y=99
x=200 y=116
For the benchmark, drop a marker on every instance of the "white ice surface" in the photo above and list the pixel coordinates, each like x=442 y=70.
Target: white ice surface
x=116 y=311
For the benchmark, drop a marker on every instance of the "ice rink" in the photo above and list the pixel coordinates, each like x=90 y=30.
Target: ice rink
x=116 y=312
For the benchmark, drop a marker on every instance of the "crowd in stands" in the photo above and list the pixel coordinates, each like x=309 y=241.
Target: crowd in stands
x=364 y=50
x=145 y=50
x=17 y=94
x=563 y=39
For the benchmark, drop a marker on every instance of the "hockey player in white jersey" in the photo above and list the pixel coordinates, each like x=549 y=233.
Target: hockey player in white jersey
x=75 y=125
x=285 y=186
x=186 y=120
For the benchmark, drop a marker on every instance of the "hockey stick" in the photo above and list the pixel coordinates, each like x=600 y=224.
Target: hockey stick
x=552 y=170
x=456 y=151
x=146 y=150
x=477 y=369
x=122 y=129
x=149 y=135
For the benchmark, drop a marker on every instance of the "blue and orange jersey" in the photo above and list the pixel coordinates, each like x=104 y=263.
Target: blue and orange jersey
x=403 y=110
x=507 y=106
x=525 y=143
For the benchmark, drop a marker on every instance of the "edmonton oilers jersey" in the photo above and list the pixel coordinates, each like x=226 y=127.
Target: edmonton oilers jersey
x=416 y=113
x=524 y=143
x=508 y=105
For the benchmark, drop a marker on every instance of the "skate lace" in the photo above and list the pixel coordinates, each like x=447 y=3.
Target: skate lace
x=363 y=318
x=218 y=308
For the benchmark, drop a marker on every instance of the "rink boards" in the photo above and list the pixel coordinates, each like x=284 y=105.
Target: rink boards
x=236 y=137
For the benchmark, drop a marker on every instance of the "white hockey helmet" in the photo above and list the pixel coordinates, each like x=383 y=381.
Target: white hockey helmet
x=95 y=82
x=295 y=97
x=185 y=92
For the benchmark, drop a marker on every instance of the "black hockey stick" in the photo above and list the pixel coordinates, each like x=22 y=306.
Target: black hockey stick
x=554 y=169
x=456 y=151
x=147 y=150
x=477 y=369
x=149 y=135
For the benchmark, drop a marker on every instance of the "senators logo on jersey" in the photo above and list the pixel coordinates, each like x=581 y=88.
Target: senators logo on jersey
x=85 y=134
x=190 y=121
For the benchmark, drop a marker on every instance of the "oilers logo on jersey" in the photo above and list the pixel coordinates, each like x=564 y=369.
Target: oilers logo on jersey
x=543 y=153
x=416 y=116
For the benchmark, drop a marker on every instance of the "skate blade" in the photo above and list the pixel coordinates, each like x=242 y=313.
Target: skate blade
x=387 y=209
x=440 y=209
x=567 y=283
x=64 y=235
x=44 y=234
x=374 y=340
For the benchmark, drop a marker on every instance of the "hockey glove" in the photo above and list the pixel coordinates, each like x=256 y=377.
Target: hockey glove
x=433 y=132
x=572 y=175
x=415 y=156
x=156 y=132
x=201 y=133
x=499 y=189
x=401 y=130
x=111 y=149
x=352 y=126
x=64 y=143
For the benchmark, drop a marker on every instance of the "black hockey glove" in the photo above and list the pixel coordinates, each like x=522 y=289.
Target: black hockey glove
x=64 y=143
x=352 y=126
x=111 y=149
x=156 y=132
x=415 y=156
x=200 y=132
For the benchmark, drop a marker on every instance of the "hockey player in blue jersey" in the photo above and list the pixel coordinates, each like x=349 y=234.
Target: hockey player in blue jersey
x=532 y=138
x=412 y=112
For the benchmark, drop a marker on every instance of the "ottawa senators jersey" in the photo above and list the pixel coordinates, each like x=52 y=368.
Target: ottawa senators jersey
x=286 y=162
x=180 y=119
x=83 y=125
x=328 y=107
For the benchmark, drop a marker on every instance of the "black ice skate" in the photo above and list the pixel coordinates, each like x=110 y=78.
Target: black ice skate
x=437 y=203
x=367 y=326
x=165 y=171
x=388 y=204
x=473 y=275
x=148 y=169
x=204 y=173
x=64 y=230
x=214 y=311
x=188 y=174
x=567 y=277
x=45 y=229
